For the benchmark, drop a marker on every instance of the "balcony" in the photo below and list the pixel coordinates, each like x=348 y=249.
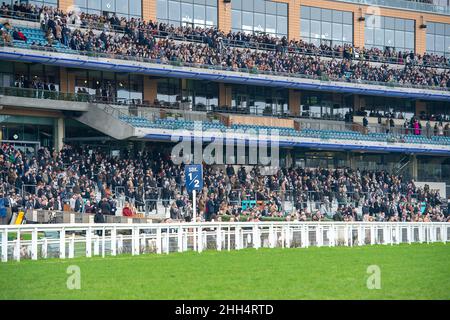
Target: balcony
x=405 y=5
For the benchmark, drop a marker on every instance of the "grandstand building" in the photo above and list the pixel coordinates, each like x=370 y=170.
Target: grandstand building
x=386 y=105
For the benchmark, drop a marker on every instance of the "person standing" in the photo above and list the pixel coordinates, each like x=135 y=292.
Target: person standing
x=99 y=218
x=428 y=128
x=3 y=211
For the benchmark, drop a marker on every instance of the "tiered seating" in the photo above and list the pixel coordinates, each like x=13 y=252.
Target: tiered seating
x=37 y=36
x=345 y=135
x=351 y=135
x=189 y=125
x=138 y=122
x=440 y=140
x=170 y=124
x=410 y=138
x=283 y=131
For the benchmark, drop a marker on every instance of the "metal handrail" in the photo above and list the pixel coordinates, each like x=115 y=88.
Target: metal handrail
x=326 y=78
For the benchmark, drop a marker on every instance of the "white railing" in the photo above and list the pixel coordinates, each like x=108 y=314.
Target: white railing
x=87 y=240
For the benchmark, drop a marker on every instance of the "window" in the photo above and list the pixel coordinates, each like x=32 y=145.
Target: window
x=332 y=27
x=390 y=32
x=438 y=39
x=125 y=8
x=38 y=3
x=259 y=16
x=194 y=13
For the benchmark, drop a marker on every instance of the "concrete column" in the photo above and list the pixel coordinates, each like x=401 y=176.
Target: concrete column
x=420 y=106
x=150 y=89
x=294 y=102
x=293 y=19
x=70 y=82
x=289 y=158
x=63 y=81
x=358 y=26
x=358 y=102
x=66 y=5
x=149 y=10
x=59 y=134
x=421 y=36
x=351 y=161
x=224 y=13
x=414 y=167
x=224 y=95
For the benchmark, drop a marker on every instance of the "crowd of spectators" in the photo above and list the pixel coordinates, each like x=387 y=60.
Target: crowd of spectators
x=90 y=181
x=386 y=121
x=142 y=40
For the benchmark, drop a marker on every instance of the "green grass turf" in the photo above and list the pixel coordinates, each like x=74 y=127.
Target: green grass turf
x=418 y=271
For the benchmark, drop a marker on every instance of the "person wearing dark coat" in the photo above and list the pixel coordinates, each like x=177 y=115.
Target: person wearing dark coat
x=230 y=170
x=210 y=208
x=99 y=218
x=105 y=207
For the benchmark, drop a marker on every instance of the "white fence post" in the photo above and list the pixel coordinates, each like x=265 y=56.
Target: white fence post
x=409 y=233
x=142 y=244
x=194 y=238
x=96 y=245
x=135 y=241
x=113 y=241
x=372 y=235
x=62 y=243
x=383 y=234
x=17 y=249
x=5 y=245
x=44 y=248
x=158 y=240
x=306 y=236
x=360 y=235
x=180 y=239
x=229 y=238
x=103 y=241
x=350 y=235
x=218 y=238
x=443 y=234
x=167 y=240
x=271 y=237
x=89 y=242
x=320 y=238
x=346 y=235
x=185 y=239
x=317 y=236
x=34 y=244
x=331 y=236
x=72 y=246
x=237 y=238
x=199 y=239
x=120 y=243
x=287 y=235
